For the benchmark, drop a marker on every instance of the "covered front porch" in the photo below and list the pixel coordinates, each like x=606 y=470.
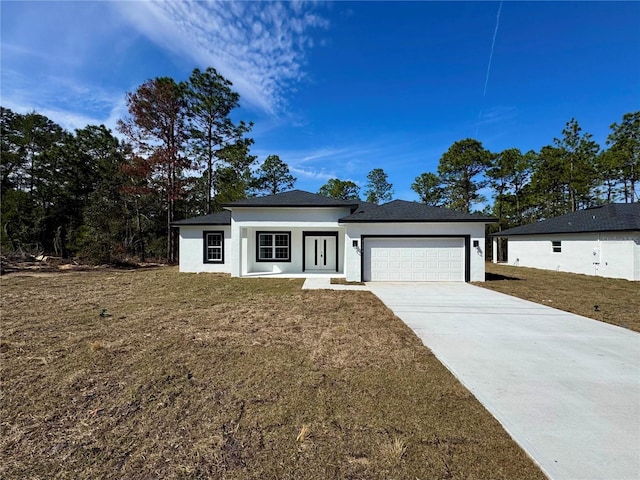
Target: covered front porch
x=289 y=252
x=321 y=276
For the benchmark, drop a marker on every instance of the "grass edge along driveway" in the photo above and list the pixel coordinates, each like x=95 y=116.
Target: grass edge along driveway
x=611 y=300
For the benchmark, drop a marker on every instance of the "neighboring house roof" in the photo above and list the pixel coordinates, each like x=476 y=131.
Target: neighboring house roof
x=612 y=217
x=403 y=211
x=217 y=218
x=294 y=198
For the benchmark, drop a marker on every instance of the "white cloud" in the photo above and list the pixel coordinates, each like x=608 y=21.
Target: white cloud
x=259 y=46
x=36 y=55
x=312 y=174
x=67 y=119
x=402 y=157
x=70 y=105
x=496 y=115
x=315 y=166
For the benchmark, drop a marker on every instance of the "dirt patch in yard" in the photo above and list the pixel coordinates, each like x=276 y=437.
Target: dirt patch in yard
x=156 y=374
x=609 y=300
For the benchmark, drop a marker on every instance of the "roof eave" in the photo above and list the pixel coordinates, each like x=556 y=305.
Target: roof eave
x=191 y=224
x=470 y=220
x=563 y=232
x=229 y=206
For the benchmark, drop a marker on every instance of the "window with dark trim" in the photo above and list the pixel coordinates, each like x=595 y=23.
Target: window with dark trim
x=273 y=246
x=556 y=245
x=213 y=247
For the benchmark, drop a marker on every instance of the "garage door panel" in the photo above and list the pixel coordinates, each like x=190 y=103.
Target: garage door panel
x=414 y=259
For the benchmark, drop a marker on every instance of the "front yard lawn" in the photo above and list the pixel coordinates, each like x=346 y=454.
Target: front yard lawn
x=156 y=374
x=618 y=301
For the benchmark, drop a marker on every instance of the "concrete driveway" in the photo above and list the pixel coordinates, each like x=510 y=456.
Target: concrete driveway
x=567 y=388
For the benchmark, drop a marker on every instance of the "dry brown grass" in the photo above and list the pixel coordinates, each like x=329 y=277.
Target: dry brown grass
x=394 y=450
x=205 y=376
x=305 y=433
x=618 y=301
x=343 y=281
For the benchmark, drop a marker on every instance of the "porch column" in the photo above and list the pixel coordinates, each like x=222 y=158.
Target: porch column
x=236 y=249
x=494 y=250
x=244 y=251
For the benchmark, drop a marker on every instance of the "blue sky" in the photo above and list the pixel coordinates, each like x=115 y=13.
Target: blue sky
x=337 y=89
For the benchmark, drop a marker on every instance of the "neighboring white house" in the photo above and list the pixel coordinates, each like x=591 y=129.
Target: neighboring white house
x=602 y=241
x=301 y=233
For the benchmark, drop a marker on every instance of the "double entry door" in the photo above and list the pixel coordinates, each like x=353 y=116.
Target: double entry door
x=320 y=252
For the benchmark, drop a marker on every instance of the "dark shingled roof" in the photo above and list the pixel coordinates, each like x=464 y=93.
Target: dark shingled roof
x=218 y=218
x=612 y=217
x=396 y=211
x=364 y=206
x=403 y=211
x=293 y=198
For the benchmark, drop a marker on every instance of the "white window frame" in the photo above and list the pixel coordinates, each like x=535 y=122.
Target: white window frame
x=273 y=247
x=207 y=248
x=556 y=246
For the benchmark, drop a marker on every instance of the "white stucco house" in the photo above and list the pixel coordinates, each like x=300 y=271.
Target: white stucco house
x=603 y=241
x=298 y=233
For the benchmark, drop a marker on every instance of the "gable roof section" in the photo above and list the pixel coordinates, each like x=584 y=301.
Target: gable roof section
x=217 y=218
x=406 y=212
x=613 y=217
x=294 y=198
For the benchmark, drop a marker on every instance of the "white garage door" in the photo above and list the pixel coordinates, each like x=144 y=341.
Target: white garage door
x=414 y=259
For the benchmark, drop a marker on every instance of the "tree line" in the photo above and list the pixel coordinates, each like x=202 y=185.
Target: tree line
x=572 y=173
x=93 y=195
